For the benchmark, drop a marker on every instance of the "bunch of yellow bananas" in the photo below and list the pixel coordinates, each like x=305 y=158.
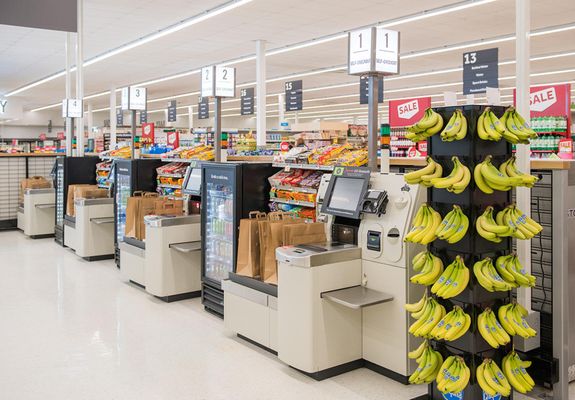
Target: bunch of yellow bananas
x=430 y=314
x=426 y=174
x=512 y=271
x=453 y=376
x=491 y=379
x=488 y=178
x=456 y=128
x=430 y=124
x=430 y=267
x=512 y=318
x=454 y=226
x=429 y=362
x=489 y=278
x=523 y=227
x=452 y=326
x=417 y=307
x=509 y=169
x=489 y=229
x=453 y=280
x=516 y=128
x=491 y=330
x=425 y=223
x=457 y=180
x=514 y=370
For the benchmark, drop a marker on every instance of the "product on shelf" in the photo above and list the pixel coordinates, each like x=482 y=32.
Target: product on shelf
x=453 y=375
x=426 y=174
x=491 y=379
x=523 y=227
x=456 y=128
x=489 y=278
x=335 y=154
x=512 y=318
x=120 y=152
x=425 y=223
x=453 y=280
x=103 y=174
x=488 y=178
x=456 y=181
x=430 y=124
x=550 y=124
x=430 y=267
x=491 y=330
x=515 y=371
x=429 y=364
x=508 y=168
x=170 y=179
x=454 y=226
x=200 y=152
x=427 y=318
x=512 y=272
x=454 y=325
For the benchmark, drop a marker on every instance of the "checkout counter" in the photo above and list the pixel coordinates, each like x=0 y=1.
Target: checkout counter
x=168 y=263
x=90 y=233
x=36 y=215
x=340 y=305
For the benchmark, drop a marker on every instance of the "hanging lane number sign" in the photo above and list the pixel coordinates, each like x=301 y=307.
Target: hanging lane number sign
x=133 y=98
x=373 y=51
x=218 y=81
x=480 y=71
x=294 y=95
x=247 y=101
x=172 y=112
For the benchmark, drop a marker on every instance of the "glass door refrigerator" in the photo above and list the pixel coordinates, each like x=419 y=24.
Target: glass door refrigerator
x=229 y=192
x=130 y=176
x=70 y=171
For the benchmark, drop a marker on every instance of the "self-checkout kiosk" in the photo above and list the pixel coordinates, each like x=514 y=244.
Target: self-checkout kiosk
x=168 y=263
x=341 y=304
x=36 y=213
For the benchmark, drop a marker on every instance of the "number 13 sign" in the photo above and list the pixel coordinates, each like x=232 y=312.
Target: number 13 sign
x=373 y=50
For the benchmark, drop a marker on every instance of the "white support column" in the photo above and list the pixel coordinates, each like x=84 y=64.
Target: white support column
x=80 y=76
x=261 y=91
x=190 y=118
x=281 y=109
x=296 y=118
x=522 y=50
x=90 y=120
x=69 y=58
x=112 y=117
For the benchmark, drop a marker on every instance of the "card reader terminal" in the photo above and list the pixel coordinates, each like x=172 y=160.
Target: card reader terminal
x=375 y=202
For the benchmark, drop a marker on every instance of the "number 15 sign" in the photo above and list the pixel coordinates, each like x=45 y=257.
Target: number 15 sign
x=373 y=50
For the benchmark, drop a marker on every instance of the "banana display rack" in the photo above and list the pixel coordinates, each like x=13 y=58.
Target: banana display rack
x=471 y=150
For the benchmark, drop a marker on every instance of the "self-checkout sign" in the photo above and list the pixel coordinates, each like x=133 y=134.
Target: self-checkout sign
x=543 y=99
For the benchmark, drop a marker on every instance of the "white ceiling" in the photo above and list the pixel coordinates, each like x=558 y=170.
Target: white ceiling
x=27 y=55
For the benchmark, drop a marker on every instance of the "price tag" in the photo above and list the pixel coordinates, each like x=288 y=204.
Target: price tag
x=225 y=82
x=360 y=51
x=207 y=87
x=72 y=108
x=134 y=98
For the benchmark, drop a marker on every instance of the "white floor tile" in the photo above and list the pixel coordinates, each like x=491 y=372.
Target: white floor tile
x=71 y=329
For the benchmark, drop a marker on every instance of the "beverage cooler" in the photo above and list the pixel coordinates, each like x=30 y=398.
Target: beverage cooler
x=70 y=171
x=229 y=192
x=130 y=176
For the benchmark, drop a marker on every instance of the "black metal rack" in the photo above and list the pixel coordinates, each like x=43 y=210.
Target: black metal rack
x=471 y=151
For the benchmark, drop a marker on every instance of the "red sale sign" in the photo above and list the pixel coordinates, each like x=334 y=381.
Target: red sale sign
x=42 y=136
x=147 y=134
x=174 y=139
x=407 y=112
x=549 y=100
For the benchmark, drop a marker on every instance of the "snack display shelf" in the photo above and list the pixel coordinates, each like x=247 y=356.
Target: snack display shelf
x=172 y=175
x=167 y=185
x=293 y=202
x=182 y=160
x=296 y=189
x=251 y=158
x=304 y=166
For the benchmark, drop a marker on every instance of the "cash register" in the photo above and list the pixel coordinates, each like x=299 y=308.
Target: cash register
x=341 y=304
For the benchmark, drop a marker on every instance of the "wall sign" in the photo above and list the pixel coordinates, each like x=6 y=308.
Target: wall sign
x=247 y=101
x=203 y=108
x=480 y=70
x=143 y=117
x=172 y=112
x=72 y=108
x=407 y=112
x=294 y=95
x=364 y=90
x=373 y=50
x=119 y=117
x=134 y=98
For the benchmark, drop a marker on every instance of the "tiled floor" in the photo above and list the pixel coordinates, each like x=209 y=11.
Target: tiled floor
x=73 y=330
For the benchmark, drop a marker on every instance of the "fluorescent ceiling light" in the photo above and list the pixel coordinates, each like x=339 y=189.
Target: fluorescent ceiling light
x=231 y=5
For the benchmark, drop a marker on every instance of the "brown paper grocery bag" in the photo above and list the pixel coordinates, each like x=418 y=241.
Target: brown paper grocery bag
x=34 y=182
x=139 y=205
x=248 y=261
x=270 y=239
x=304 y=233
x=70 y=210
x=146 y=206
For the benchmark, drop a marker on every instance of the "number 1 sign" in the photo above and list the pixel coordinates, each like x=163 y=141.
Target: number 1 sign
x=373 y=51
